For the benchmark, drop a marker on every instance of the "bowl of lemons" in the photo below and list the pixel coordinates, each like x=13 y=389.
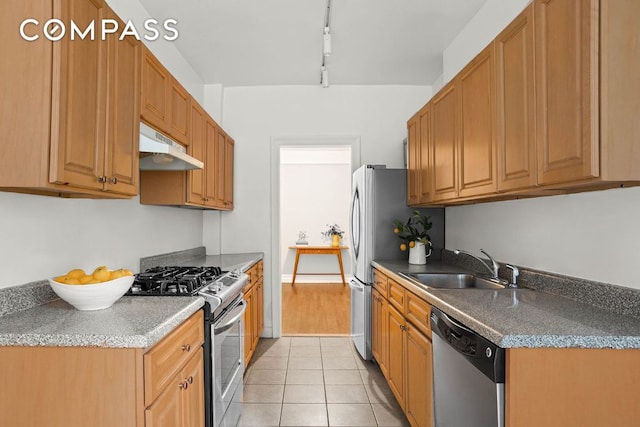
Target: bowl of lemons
x=95 y=291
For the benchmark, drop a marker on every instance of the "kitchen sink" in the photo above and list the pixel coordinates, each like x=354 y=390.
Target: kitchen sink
x=453 y=281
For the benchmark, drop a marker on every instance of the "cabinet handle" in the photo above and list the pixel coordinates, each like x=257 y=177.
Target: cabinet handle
x=102 y=179
x=186 y=347
x=183 y=385
x=113 y=180
x=190 y=379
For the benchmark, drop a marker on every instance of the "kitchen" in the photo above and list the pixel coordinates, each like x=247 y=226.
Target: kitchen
x=589 y=235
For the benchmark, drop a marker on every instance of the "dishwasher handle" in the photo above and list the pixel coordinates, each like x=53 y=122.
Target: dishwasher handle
x=483 y=354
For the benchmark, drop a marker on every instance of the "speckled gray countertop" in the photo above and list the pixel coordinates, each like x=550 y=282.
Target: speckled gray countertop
x=524 y=317
x=131 y=322
x=32 y=315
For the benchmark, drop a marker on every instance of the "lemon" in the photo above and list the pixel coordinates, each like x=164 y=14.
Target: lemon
x=115 y=274
x=412 y=244
x=403 y=247
x=61 y=279
x=396 y=230
x=101 y=273
x=72 y=281
x=85 y=279
x=127 y=272
x=93 y=282
x=76 y=273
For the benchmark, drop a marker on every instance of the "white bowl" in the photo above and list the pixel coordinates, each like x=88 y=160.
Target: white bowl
x=93 y=297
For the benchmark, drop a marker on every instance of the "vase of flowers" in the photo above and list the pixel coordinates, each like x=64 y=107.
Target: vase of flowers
x=333 y=233
x=414 y=235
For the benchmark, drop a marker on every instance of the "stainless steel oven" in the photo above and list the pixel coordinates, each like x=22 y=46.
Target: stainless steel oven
x=227 y=363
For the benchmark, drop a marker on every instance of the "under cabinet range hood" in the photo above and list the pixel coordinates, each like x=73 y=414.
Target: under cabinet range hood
x=158 y=152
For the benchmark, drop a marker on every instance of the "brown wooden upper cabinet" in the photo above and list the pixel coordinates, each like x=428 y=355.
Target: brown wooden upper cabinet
x=165 y=104
x=211 y=187
x=550 y=106
x=515 y=107
x=413 y=160
x=444 y=141
x=64 y=135
x=476 y=145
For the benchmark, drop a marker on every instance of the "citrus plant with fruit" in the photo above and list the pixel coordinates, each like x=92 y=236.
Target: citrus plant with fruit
x=415 y=230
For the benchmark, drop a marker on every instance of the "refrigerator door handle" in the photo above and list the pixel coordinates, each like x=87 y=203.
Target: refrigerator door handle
x=356 y=286
x=355 y=227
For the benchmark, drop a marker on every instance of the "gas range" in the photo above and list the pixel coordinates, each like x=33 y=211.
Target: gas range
x=218 y=288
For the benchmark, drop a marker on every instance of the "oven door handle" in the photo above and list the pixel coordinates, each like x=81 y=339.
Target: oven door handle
x=237 y=313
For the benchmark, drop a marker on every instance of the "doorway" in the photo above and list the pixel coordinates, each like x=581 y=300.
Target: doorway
x=312 y=177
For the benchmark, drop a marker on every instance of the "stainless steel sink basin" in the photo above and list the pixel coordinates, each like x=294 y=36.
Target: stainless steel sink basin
x=453 y=281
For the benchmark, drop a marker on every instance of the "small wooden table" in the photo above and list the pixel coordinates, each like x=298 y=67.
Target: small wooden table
x=317 y=250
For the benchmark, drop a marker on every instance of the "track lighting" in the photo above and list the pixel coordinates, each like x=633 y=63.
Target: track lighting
x=324 y=77
x=326 y=42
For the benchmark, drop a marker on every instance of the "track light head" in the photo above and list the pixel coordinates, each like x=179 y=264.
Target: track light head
x=324 y=77
x=326 y=42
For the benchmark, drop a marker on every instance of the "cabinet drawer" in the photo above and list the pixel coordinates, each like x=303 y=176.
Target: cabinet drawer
x=167 y=357
x=396 y=295
x=418 y=312
x=380 y=282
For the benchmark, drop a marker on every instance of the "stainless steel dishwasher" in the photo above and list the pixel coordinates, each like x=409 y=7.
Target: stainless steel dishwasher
x=468 y=376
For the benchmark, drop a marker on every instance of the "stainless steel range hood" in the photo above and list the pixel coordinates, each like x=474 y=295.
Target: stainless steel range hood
x=158 y=152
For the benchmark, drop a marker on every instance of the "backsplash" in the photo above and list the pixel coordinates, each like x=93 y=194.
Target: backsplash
x=619 y=299
x=19 y=298
x=171 y=258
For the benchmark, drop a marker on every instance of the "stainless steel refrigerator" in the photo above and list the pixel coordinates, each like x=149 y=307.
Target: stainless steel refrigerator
x=379 y=196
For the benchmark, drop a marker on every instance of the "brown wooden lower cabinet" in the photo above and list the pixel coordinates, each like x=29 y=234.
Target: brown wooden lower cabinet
x=572 y=387
x=402 y=350
x=555 y=387
x=254 y=314
x=106 y=387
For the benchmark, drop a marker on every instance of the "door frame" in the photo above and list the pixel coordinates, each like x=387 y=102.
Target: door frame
x=276 y=143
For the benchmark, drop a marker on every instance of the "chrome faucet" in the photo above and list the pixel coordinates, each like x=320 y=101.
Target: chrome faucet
x=494 y=265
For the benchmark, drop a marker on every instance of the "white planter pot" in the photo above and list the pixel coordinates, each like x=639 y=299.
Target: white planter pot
x=418 y=254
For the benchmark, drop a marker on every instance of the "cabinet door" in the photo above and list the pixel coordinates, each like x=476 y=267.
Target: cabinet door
x=476 y=154
x=179 y=106
x=166 y=410
x=419 y=378
x=413 y=161
x=77 y=137
x=156 y=81
x=426 y=165
x=376 y=341
x=260 y=311
x=515 y=104
x=566 y=46
x=123 y=113
x=229 y=149
x=210 y=163
x=197 y=149
x=444 y=137
x=193 y=395
x=396 y=359
x=379 y=330
x=248 y=326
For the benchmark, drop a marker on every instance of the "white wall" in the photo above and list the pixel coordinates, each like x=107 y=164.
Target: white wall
x=590 y=235
x=253 y=115
x=44 y=236
x=315 y=191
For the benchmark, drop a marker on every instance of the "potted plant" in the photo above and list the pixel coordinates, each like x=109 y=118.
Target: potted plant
x=414 y=234
x=333 y=233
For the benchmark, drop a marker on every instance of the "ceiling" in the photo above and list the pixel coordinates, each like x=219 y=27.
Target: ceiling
x=279 y=42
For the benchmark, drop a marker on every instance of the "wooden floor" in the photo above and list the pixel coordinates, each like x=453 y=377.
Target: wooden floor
x=315 y=309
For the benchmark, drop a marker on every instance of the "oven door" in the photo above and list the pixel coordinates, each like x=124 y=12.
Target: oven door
x=228 y=364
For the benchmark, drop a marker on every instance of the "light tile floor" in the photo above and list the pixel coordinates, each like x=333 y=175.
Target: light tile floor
x=316 y=381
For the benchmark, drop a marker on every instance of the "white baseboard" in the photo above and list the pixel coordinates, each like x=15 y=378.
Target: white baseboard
x=286 y=278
